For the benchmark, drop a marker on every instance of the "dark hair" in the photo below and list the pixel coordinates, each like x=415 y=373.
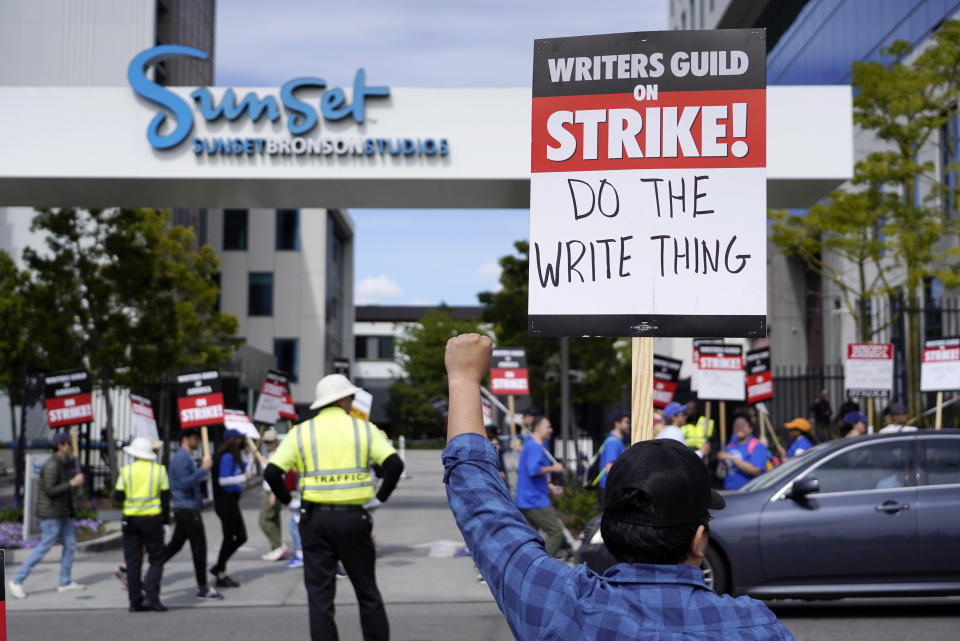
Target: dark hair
x=231 y=446
x=187 y=433
x=745 y=416
x=632 y=543
x=536 y=421
x=532 y=410
x=492 y=432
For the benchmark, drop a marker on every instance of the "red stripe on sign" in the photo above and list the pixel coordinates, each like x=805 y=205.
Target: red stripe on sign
x=509 y=381
x=759 y=387
x=663 y=392
x=941 y=355
x=3 y=621
x=679 y=130
x=200 y=410
x=69 y=410
x=870 y=351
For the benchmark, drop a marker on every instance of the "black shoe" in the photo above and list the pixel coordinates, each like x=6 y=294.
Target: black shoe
x=227 y=582
x=140 y=607
x=155 y=607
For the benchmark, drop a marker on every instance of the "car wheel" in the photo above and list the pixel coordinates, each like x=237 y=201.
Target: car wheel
x=715 y=572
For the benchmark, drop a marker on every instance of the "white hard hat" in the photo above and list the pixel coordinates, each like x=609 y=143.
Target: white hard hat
x=141 y=447
x=331 y=388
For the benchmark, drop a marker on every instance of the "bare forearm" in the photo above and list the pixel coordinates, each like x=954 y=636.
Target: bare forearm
x=466 y=415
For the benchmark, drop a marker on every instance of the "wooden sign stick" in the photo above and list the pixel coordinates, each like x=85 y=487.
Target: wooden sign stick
x=75 y=442
x=205 y=440
x=512 y=413
x=723 y=422
x=256 y=452
x=641 y=397
x=938 y=424
x=869 y=416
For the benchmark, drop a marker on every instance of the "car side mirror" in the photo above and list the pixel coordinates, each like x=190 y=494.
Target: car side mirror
x=802 y=487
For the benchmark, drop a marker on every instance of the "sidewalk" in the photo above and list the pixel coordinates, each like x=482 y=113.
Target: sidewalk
x=416 y=538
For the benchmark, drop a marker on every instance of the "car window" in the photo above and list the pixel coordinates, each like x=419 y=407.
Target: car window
x=774 y=476
x=942 y=461
x=869 y=467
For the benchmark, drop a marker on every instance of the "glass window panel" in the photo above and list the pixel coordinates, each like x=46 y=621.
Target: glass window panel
x=260 y=294
x=871 y=467
x=235 y=229
x=288 y=230
x=943 y=461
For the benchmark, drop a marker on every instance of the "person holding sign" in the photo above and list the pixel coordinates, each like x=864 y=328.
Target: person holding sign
x=270 y=508
x=655 y=524
x=228 y=485
x=799 y=443
x=895 y=418
x=55 y=510
x=855 y=424
x=534 y=488
x=144 y=489
x=186 y=489
x=744 y=457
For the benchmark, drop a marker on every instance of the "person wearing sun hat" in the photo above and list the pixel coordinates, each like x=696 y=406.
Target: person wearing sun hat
x=799 y=437
x=655 y=523
x=332 y=453
x=144 y=489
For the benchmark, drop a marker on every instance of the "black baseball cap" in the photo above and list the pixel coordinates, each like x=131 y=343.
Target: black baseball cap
x=660 y=483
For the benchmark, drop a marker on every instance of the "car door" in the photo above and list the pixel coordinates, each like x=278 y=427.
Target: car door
x=860 y=526
x=938 y=506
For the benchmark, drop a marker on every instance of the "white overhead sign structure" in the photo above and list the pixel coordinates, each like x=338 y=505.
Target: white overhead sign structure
x=89 y=146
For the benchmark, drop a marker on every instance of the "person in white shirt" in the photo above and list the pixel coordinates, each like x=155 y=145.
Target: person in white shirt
x=676 y=415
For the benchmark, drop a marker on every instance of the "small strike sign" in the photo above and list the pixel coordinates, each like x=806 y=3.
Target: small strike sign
x=508 y=371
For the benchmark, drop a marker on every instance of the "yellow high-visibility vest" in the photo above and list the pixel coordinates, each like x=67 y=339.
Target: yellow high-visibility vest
x=141 y=482
x=332 y=453
x=696 y=435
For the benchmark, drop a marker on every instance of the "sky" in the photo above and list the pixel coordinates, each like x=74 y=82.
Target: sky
x=405 y=256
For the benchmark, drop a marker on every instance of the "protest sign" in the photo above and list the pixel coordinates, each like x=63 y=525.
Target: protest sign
x=199 y=398
x=287 y=408
x=666 y=372
x=508 y=371
x=759 y=376
x=721 y=373
x=648 y=187
x=940 y=369
x=141 y=416
x=362 y=404
x=270 y=401
x=868 y=370
x=695 y=363
x=67 y=398
x=487 y=409
x=238 y=420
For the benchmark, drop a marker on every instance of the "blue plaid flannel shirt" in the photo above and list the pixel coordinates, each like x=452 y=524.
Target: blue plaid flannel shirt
x=543 y=598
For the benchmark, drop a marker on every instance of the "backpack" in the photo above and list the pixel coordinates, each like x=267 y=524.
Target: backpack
x=772 y=461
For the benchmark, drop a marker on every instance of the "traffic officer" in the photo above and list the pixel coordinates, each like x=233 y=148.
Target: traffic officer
x=144 y=490
x=332 y=453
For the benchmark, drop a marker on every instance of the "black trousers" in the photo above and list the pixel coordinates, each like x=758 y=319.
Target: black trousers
x=330 y=536
x=188 y=525
x=227 y=507
x=140 y=532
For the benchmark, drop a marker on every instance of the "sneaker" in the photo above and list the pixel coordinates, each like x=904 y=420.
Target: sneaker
x=121 y=573
x=16 y=589
x=295 y=562
x=276 y=554
x=73 y=586
x=341 y=573
x=209 y=593
x=227 y=582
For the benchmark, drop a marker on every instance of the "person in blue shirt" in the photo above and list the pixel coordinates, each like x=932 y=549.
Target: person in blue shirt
x=799 y=437
x=228 y=485
x=186 y=491
x=655 y=524
x=534 y=487
x=611 y=448
x=744 y=457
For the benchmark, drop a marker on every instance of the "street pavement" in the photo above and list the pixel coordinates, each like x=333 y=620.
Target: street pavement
x=429 y=592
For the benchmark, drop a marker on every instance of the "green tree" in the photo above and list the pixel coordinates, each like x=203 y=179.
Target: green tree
x=13 y=335
x=904 y=104
x=420 y=353
x=844 y=230
x=121 y=292
x=605 y=370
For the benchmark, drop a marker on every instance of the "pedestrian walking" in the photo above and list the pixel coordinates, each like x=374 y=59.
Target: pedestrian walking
x=655 y=525
x=270 y=508
x=186 y=491
x=533 y=487
x=144 y=489
x=610 y=449
x=332 y=454
x=228 y=485
x=799 y=432
x=55 y=511
x=744 y=457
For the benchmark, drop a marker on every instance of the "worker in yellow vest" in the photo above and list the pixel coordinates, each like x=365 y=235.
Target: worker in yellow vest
x=332 y=453
x=697 y=434
x=144 y=490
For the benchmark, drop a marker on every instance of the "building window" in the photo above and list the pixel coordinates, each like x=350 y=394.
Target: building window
x=949 y=146
x=216 y=281
x=373 y=348
x=235 y=229
x=287 y=351
x=260 y=294
x=288 y=229
x=702 y=21
x=693 y=12
x=683 y=20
